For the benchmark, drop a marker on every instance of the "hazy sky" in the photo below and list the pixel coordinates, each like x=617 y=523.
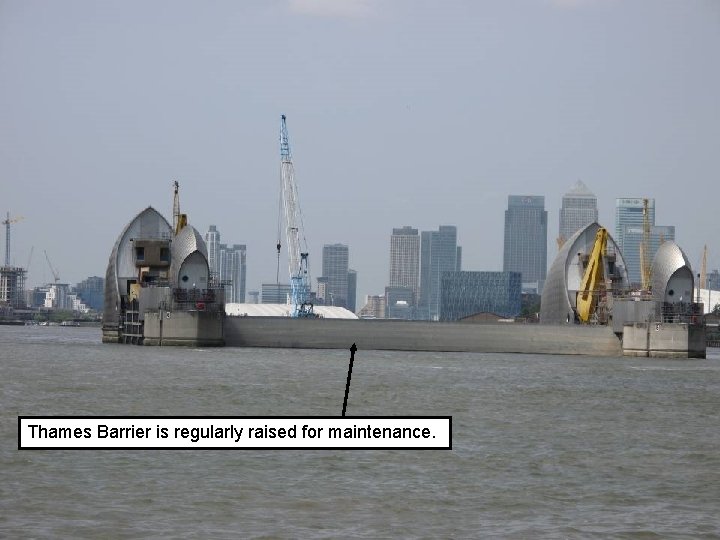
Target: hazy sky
x=400 y=112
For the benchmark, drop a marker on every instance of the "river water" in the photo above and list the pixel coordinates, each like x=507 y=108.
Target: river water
x=543 y=446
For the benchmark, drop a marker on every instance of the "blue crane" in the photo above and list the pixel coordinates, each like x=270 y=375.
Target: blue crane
x=294 y=232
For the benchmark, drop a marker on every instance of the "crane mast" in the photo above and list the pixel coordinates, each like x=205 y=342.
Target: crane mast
x=297 y=258
x=645 y=262
x=7 y=222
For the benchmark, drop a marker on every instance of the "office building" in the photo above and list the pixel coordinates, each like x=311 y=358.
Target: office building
x=579 y=208
x=438 y=254
x=629 y=233
x=232 y=268
x=212 y=241
x=92 y=292
x=526 y=240
x=275 y=293
x=352 y=290
x=399 y=303
x=405 y=260
x=374 y=307
x=335 y=269
x=468 y=293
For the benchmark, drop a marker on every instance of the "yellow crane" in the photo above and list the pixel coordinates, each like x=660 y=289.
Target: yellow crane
x=645 y=261
x=179 y=220
x=593 y=278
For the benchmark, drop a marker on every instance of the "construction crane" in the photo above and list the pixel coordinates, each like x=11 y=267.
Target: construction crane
x=7 y=222
x=294 y=231
x=593 y=278
x=645 y=261
x=179 y=220
x=55 y=274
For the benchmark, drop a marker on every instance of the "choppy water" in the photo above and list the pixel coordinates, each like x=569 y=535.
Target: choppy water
x=544 y=446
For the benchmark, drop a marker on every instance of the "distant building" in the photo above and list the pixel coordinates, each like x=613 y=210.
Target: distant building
x=212 y=241
x=352 y=290
x=232 y=268
x=399 y=303
x=275 y=293
x=438 y=254
x=322 y=291
x=405 y=260
x=228 y=266
x=629 y=233
x=335 y=269
x=526 y=240
x=713 y=280
x=57 y=297
x=254 y=297
x=466 y=293
x=579 y=209
x=92 y=292
x=374 y=307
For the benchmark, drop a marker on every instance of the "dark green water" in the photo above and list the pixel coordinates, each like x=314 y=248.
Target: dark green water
x=544 y=446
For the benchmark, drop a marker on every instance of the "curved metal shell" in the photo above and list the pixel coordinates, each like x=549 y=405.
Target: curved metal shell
x=148 y=224
x=670 y=260
x=556 y=306
x=187 y=242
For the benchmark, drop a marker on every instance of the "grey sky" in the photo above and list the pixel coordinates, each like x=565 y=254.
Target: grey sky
x=400 y=112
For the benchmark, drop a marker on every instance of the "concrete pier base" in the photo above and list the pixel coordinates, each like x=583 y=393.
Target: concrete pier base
x=664 y=340
x=184 y=328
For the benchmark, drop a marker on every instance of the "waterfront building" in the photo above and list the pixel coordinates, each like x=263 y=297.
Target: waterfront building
x=405 y=260
x=335 y=269
x=352 y=290
x=275 y=293
x=438 y=254
x=467 y=293
x=525 y=248
x=579 y=209
x=57 y=297
x=12 y=286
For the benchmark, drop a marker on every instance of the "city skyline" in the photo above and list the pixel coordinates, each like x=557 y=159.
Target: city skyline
x=99 y=102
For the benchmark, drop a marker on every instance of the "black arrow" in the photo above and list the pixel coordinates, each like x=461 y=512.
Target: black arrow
x=347 y=386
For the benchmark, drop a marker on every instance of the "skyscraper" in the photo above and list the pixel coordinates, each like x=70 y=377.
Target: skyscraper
x=438 y=254
x=232 y=271
x=352 y=290
x=526 y=240
x=405 y=260
x=335 y=269
x=629 y=233
x=212 y=240
x=579 y=208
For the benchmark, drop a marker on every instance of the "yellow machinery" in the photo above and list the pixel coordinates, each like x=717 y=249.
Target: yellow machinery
x=645 y=262
x=179 y=220
x=593 y=279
